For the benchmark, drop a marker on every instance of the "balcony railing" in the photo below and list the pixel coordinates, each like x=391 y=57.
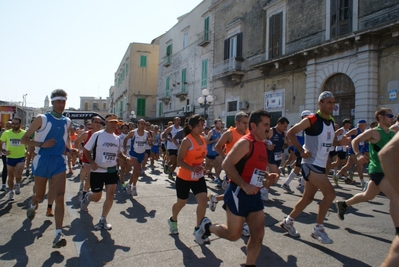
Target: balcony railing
x=228 y=66
x=204 y=38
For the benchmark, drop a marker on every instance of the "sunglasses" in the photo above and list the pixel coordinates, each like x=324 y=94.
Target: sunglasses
x=96 y=121
x=389 y=115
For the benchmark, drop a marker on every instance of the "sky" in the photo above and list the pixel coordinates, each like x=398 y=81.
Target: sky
x=75 y=45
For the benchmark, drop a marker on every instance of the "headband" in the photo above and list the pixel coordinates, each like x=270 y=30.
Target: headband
x=58 y=98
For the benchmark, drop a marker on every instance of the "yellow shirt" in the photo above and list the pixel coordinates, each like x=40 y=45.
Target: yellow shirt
x=13 y=143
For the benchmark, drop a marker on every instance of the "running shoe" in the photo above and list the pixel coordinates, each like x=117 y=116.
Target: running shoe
x=351 y=174
x=289 y=169
x=172 y=227
x=340 y=209
x=349 y=181
x=123 y=186
x=321 y=235
x=245 y=230
x=287 y=188
x=335 y=178
x=225 y=183
x=17 y=189
x=282 y=170
x=210 y=175
x=165 y=169
x=200 y=236
x=300 y=188
x=31 y=212
x=364 y=186
x=85 y=202
x=170 y=176
x=49 y=212
x=289 y=227
x=217 y=181
x=3 y=188
x=212 y=202
x=59 y=241
x=11 y=196
x=264 y=194
x=128 y=189
x=27 y=173
x=102 y=224
x=134 y=191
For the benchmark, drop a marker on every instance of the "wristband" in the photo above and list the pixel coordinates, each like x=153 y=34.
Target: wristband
x=39 y=144
x=358 y=154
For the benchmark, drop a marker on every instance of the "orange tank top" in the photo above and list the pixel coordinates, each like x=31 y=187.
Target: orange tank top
x=194 y=157
x=236 y=137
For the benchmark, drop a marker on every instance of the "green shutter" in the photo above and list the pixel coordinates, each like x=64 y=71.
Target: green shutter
x=143 y=61
x=230 y=121
x=183 y=80
x=204 y=74
x=169 y=50
x=167 y=86
x=141 y=107
x=206 y=29
x=160 y=111
x=127 y=68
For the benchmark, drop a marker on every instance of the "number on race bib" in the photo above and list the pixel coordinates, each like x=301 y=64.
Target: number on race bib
x=257 y=178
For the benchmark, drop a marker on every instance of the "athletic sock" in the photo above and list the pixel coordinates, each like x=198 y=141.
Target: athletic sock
x=290 y=178
x=57 y=231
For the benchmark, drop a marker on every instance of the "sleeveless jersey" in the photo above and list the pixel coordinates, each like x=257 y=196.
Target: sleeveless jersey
x=339 y=138
x=278 y=141
x=89 y=134
x=157 y=140
x=252 y=167
x=319 y=139
x=56 y=128
x=13 y=144
x=211 y=147
x=170 y=144
x=194 y=157
x=138 y=142
x=375 y=165
x=236 y=137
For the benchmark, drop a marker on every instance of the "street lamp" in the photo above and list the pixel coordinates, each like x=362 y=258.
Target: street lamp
x=205 y=101
x=24 y=100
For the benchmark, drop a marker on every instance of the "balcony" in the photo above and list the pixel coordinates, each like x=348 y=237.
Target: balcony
x=164 y=97
x=204 y=38
x=232 y=68
x=166 y=61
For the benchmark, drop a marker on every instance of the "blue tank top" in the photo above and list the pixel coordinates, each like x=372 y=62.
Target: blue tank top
x=278 y=142
x=211 y=147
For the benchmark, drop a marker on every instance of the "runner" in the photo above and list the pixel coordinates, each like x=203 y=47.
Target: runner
x=51 y=140
x=169 y=133
x=190 y=175
x=4 y=173
x=300 y=137
x=319 y=129
x=395 y=127
x=124 y=168
x=378 y=138
x=155 y=146
x=388 y=157
x=341 y=150
x=102 y=151
x=15 y=154
x=212 y=157
x=139 y=137
x=246 y=166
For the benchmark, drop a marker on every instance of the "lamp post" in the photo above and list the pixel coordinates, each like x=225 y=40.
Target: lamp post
x=205 y=101
x=24 y=100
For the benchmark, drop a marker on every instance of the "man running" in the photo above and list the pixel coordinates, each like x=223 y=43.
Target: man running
x=102 y=151
x=378 y=138
x=4 y=173
x=51 y=140
x=320 y=136
x=15 y=154
x=168 y=134
x=246 y=166
x=213 y=158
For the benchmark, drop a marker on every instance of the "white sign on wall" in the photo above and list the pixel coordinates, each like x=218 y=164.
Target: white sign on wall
x=336 y=110
x=274 y=100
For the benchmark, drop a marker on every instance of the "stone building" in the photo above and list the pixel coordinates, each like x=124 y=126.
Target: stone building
x=280 y=54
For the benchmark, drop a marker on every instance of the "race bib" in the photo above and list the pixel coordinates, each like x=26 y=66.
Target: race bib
x=15 y=142
x=361 y=143
x=197 y=175
x=257 y=178
x=108 y=157
x=277 y=156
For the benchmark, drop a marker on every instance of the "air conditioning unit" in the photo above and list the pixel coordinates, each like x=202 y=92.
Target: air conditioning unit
x=183 y=109
x=243 y=105
x=189 y=108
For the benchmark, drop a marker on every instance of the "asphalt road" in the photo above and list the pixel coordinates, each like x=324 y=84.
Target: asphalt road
x=140 y=234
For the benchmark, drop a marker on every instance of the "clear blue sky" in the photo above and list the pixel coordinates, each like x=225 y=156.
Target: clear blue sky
x=75 y=45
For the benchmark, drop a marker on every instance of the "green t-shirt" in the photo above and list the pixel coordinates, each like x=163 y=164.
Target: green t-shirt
x=13 y=143
x=375 y=165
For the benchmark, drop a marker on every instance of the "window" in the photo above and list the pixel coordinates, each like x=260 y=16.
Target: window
x=206 y=29
x=204 y=73
x=140 y=107
x=183 y=80
x=104 y=106
x=169 y=50
x=86 y=106
x=230 y=121
x=167 y=86
x=127 y=68
x=232 y=106
x=160 y=111
x=233 y=47
x=95 y=106
x=143 y=61
x=185 y=40
x=341 y=16
x=275 y=35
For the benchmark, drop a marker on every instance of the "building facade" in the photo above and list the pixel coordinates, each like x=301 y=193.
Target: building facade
x=94 y=104
x=134 y=94
x=185 y=65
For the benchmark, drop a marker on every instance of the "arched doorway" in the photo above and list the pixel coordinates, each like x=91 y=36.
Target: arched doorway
x=344 y=91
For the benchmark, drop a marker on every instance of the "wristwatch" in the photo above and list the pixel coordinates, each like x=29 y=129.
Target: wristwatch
x=40 y=144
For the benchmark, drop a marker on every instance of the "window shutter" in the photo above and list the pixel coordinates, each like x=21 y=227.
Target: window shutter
x=226 y=49
x=167 y=86
x=239 y=45
x=206 y=29
x=183 y=80
x=275 y=35
x=334 y=19
x=204 y=74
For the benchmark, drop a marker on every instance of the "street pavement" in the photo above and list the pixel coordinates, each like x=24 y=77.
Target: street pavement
x=140 y=233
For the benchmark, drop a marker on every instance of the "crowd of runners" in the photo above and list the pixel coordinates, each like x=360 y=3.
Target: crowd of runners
x=252 y=154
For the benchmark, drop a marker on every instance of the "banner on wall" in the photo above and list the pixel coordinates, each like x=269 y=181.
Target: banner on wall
x=336 y=110
x=274 y=100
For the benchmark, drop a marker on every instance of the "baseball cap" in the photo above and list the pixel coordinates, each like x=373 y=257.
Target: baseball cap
x=362 y=121
x=306 y=113
x=325 y=94
x=111 y=118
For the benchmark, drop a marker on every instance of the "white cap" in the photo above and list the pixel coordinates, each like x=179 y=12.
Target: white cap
x=306 y=113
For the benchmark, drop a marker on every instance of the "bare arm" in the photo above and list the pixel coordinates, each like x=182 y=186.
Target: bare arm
x=291 y=134
x=372 y=135
x=80 y=139
x=227 y=137
x=389 y=161
x=185 y=145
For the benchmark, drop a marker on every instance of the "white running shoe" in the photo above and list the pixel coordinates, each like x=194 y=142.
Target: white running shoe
x=289 y=227
x=245 y=230
x=134 y=191
x=321 y=235
x=287 y=188
x=102 y=224
x=17 y=189
x=264 y=194
x=11 y=196
x=128 y=189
